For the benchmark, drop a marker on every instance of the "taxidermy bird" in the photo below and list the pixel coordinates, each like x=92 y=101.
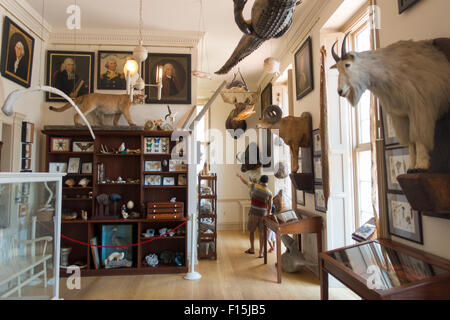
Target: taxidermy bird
x=270 y=19
x=119 y=241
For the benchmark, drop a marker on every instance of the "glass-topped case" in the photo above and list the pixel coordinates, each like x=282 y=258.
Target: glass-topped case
x=30 y=216
x=389 y=267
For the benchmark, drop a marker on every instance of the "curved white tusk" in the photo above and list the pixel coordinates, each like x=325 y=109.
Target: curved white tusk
x=16 y=94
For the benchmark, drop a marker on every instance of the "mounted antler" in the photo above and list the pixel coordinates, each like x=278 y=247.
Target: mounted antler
x=343 y=50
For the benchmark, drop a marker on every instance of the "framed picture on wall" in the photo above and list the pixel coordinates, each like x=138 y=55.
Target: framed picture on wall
x=57 y=167
x=175 y=76
x=404 y=222
x=397 y=163
x=317 y=143
x=110 y=74
x=300 y=197
x=318 y=169
x=304 y=76
x=404 y=5
x=72 y=72
x=319 y=198
x=390 y=137
x=17 y=54
x=74 y=165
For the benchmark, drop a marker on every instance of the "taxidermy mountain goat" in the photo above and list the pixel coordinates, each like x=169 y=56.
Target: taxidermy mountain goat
x=411 y=80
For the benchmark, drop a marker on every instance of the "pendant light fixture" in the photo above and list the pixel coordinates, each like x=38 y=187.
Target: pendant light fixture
x=133 y=67
x=201 y=26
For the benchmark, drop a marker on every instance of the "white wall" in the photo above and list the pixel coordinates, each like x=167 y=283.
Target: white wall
x=427 y=19
x=29 y=104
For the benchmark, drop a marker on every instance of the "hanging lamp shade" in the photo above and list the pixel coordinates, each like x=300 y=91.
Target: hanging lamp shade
x=140 y=53
x=272 y=65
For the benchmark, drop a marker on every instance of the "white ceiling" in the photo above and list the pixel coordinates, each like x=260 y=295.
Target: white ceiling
x=221 y=37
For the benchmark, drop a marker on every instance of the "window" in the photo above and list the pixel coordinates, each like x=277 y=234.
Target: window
x=362 y=154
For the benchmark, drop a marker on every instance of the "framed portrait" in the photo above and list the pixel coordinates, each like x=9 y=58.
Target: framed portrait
x=74 y=165
x=175 y=77
x=57 y=167
x=83 y=146
x=150 y=166
x=110 y=75
x=182 y=180
x=156 y=145
x=318 y=169
x=390 y=137
x=317 y=143
x=300 y=197
x=404 y=5
x=70 y=71
x=397 y=163
x=404 y=222
x=17 y=53
x=86 y=167
x=168 y=181
x=304 y=75
x=152 y=180
x=59 y=144
x=319 y=198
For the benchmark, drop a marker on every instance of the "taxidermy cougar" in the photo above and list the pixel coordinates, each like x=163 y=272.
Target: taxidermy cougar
x=101 y=104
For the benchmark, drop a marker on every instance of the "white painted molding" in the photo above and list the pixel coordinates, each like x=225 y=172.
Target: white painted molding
x=27 y=17
x=185 y=39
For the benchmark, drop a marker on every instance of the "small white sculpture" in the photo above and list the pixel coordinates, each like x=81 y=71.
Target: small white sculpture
x=122 y=148
x=130 y=205
x=115 y=256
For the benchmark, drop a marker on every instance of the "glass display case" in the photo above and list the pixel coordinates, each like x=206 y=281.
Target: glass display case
x=30 y=230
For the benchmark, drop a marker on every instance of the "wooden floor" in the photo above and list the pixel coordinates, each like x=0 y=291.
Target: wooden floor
x=234 y=275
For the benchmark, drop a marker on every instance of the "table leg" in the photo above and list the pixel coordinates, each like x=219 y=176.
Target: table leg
x=323 y=283
x=265 y=245
x=278 y=257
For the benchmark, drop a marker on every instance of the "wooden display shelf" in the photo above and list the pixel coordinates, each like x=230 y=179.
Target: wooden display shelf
x=71 y=153
x=78 y=174
x=427 y=192
x=208 y=197
x=118 y=155
x=163 y=238
x=165 y=187
x=77 y=188
x=124 y=165
x=164 y=172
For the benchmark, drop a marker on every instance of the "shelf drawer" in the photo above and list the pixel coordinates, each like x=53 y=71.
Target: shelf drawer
x=164 y=210
x=165 y=216
x=155 y=205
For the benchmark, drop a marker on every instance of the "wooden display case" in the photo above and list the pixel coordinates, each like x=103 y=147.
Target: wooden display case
x=207 y=206
x=128 y=166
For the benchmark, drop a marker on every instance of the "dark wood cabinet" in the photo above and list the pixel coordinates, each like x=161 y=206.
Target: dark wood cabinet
x=129 y=167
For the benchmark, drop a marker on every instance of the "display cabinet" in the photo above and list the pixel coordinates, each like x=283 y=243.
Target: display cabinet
x=30 y=230
x=207 y=216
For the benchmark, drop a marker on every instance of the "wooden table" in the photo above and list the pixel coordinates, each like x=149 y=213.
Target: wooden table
x=385 y=270
x=312 y=224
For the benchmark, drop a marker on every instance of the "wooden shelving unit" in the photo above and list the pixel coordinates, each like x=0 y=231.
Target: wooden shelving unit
x=206 y=239
x=125 y=166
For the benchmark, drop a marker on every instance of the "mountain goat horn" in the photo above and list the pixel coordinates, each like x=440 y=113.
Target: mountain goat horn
x=273 y=114
x=335 y=55
x=344 y=47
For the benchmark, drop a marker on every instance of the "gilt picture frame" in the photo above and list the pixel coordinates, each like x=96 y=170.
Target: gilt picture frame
x=304 y=72
x=72 y=72
x=110 y=74
x=176 y=78
x=17 y=53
